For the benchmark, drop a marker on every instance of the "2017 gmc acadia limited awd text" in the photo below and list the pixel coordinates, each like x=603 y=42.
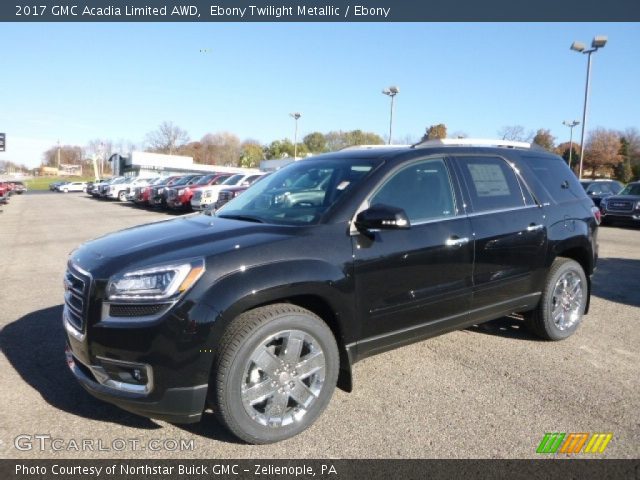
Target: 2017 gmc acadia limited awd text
x=260 y=310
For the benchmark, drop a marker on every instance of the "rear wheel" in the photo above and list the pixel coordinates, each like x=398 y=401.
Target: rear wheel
x=275 y=373
x=563 y=301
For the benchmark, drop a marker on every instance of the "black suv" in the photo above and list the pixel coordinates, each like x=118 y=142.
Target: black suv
x=599 y=189
x=260 y=310
x=623 y=207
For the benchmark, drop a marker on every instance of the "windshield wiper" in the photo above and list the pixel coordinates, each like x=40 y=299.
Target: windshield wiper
x=246 y=218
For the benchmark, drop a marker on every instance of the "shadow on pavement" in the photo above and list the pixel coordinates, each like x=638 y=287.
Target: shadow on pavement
x=618 y=280
x=34 y=345
x=508 y=327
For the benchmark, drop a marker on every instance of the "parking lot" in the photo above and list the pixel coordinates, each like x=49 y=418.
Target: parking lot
x=491 y=391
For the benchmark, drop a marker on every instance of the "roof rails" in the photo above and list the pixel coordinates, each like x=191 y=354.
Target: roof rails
x=371 y=147
x=477 y=142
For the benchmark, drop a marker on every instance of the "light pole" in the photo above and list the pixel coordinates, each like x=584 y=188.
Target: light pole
x=597 y=42
x=295 y=116
x=58 y=156
x=391 y=92
x=571 y=124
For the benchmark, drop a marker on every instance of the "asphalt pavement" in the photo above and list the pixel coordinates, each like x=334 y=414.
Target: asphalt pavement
x=491 y=391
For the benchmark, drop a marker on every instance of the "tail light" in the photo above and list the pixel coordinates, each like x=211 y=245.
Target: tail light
x=596 y=214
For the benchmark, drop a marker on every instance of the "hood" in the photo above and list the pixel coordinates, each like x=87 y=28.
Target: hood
x=185 y=237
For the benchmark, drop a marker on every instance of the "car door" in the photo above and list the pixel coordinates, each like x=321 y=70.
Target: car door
x=509 y=232
x=414 y=282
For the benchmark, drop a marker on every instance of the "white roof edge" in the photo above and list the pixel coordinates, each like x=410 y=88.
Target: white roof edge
x=370 y=147
x=482 y=142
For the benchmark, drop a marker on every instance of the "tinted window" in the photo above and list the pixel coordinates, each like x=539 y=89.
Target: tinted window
x=631 y=189
x=422 y=190
x=492 y=183
x=552 y=179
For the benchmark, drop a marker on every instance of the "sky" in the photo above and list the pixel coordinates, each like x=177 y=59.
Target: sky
x=78 y=82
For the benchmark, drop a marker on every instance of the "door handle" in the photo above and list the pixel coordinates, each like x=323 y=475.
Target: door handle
x=456 y=241
x=534 y=228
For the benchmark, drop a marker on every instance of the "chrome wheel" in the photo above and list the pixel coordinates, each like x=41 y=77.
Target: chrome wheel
x=283 y=378
x=566 y=308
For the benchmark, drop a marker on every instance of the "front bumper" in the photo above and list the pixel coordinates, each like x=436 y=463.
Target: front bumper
x=176 y=405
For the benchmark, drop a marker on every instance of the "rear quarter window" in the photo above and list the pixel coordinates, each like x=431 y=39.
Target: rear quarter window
x=552 y=179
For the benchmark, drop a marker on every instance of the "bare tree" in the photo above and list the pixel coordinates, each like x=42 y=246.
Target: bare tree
x=167 y=138
x=221 y=148
x=515 y=133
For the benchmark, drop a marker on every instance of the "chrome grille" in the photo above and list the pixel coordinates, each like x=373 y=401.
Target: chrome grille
x=619 y=206
x=76 y=292
x=225 y=196
x=171 y=193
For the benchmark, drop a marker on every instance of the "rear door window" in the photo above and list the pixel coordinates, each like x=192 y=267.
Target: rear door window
x=492 y=183
x=552 y=178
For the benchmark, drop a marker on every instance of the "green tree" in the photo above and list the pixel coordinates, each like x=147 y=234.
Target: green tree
x=338 y=139
x=279 y=149
x=251 y=154
x=563 y=150
x=623 y=170
x=315 y=142
x=544 y=138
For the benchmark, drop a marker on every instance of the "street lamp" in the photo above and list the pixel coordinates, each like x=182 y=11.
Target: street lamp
x=391 y=92
x=571 y=124
x=597 y=42
x=295 y=116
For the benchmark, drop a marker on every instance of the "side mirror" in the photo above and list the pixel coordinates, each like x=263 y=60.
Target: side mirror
x=382 y=217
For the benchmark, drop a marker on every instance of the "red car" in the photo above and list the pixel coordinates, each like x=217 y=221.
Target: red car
x=182 y=198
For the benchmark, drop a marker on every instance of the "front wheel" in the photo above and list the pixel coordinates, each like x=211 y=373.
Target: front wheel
x=122 y=196
x=275 y=373
x=563 y=301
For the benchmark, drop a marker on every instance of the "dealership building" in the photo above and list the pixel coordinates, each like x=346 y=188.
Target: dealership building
x=158 y=164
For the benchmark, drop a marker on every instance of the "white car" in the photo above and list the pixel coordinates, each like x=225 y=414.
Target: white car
x=73 y=187
x=120 y=190
x=209 y=195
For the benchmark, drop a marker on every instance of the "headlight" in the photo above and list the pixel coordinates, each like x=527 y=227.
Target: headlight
x=181 y=191
x=638 y=205
x=207 y=194
x=157 y=283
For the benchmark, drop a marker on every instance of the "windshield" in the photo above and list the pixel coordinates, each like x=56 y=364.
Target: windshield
x=183 y=181
x=233 y=179
x=220 y=180
x=204 y=180
x=631 y=189
x=300 y=193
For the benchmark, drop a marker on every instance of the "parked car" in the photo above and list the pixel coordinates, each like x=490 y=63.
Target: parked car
x=170 y=194
x=623 y=207
x=159 y=192
x=182 y=199
x=142 y=194
x=259 y=311
x=230 y=193
x=601 y=188
x=119 y=190
x=72 y=187
x=105 y=187
x=209 y=195
x=19 y=188
x=91 y=186
x=54 y=185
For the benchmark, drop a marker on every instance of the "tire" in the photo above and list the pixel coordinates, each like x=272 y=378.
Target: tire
x=66 y=190
x=122 y=196
x=254 y=344
x=566 y=281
